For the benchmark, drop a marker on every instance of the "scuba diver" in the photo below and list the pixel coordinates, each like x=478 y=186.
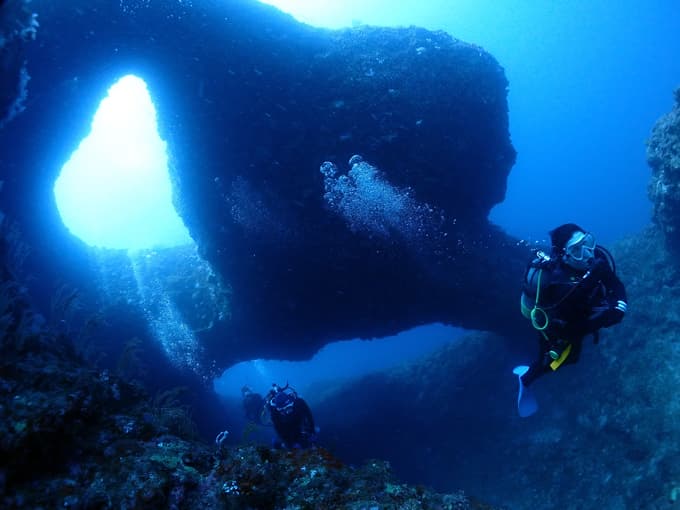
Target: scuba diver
x=291 y=417
x=567 y=295
x=253 y=405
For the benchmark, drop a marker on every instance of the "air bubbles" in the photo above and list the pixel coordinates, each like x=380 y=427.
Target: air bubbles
x=370 y=204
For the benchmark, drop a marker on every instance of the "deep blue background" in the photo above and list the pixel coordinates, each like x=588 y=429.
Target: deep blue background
x=336 y=362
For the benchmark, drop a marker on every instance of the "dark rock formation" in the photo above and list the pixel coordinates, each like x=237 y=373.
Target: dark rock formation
x=663 y=156
x=18 y=26
x=252 y=103
x=75 y=436
x=606 y=433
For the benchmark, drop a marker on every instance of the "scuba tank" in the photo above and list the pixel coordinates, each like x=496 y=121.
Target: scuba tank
x=534 y=282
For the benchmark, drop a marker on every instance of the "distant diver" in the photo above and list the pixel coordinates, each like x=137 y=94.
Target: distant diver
x=292 y=418
x=253 y=405
x=567 y=295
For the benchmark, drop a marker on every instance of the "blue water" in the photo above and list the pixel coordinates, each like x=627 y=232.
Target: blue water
x=336 y=362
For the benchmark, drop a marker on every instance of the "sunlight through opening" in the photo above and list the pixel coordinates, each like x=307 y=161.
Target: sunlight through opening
x=115 y=191
x=321 y=13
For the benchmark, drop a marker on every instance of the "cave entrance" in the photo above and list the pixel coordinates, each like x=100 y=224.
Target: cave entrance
x=115 y=191
x=115 y=194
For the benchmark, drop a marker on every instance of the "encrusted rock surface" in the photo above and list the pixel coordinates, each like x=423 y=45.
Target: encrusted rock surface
x=663 y=156
x=252 y=104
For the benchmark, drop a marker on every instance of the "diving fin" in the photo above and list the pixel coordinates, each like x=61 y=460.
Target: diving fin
x=526 y=402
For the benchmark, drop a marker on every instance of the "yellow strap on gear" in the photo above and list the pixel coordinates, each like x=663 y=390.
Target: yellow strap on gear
x=558 y=362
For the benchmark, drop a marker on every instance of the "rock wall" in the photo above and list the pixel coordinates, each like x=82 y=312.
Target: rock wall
x=663 y=156
x=18 y=26
x=252 y=104
x=605 y=435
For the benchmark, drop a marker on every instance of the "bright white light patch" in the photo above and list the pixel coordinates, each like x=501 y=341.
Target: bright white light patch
x=322 y=13
x=115 y=190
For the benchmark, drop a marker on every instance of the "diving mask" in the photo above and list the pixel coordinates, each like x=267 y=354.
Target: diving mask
x=580 y=249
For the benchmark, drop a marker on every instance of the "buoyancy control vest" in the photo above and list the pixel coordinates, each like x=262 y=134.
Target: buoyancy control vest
x=540 y=304
x=537 y=279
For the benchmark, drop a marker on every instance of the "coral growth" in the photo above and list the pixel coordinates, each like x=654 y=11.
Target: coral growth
x=663 y=156
x=73 y=435
x=18 y=26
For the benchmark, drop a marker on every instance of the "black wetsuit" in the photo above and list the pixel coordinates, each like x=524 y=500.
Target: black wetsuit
x=296 y=428
x=577 y=303
x=253 y=406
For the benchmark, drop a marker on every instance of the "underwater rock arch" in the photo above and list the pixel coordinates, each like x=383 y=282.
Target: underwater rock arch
x=251 y=103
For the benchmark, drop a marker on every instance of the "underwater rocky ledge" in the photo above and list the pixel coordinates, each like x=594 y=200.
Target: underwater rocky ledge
x=73 y=435
x=606 y=434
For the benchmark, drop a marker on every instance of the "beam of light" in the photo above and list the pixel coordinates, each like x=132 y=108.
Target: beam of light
x=165 y=318
x=115 y=191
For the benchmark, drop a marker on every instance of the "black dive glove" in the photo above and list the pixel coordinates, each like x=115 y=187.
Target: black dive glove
x=607 y=317
x=601 y=317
